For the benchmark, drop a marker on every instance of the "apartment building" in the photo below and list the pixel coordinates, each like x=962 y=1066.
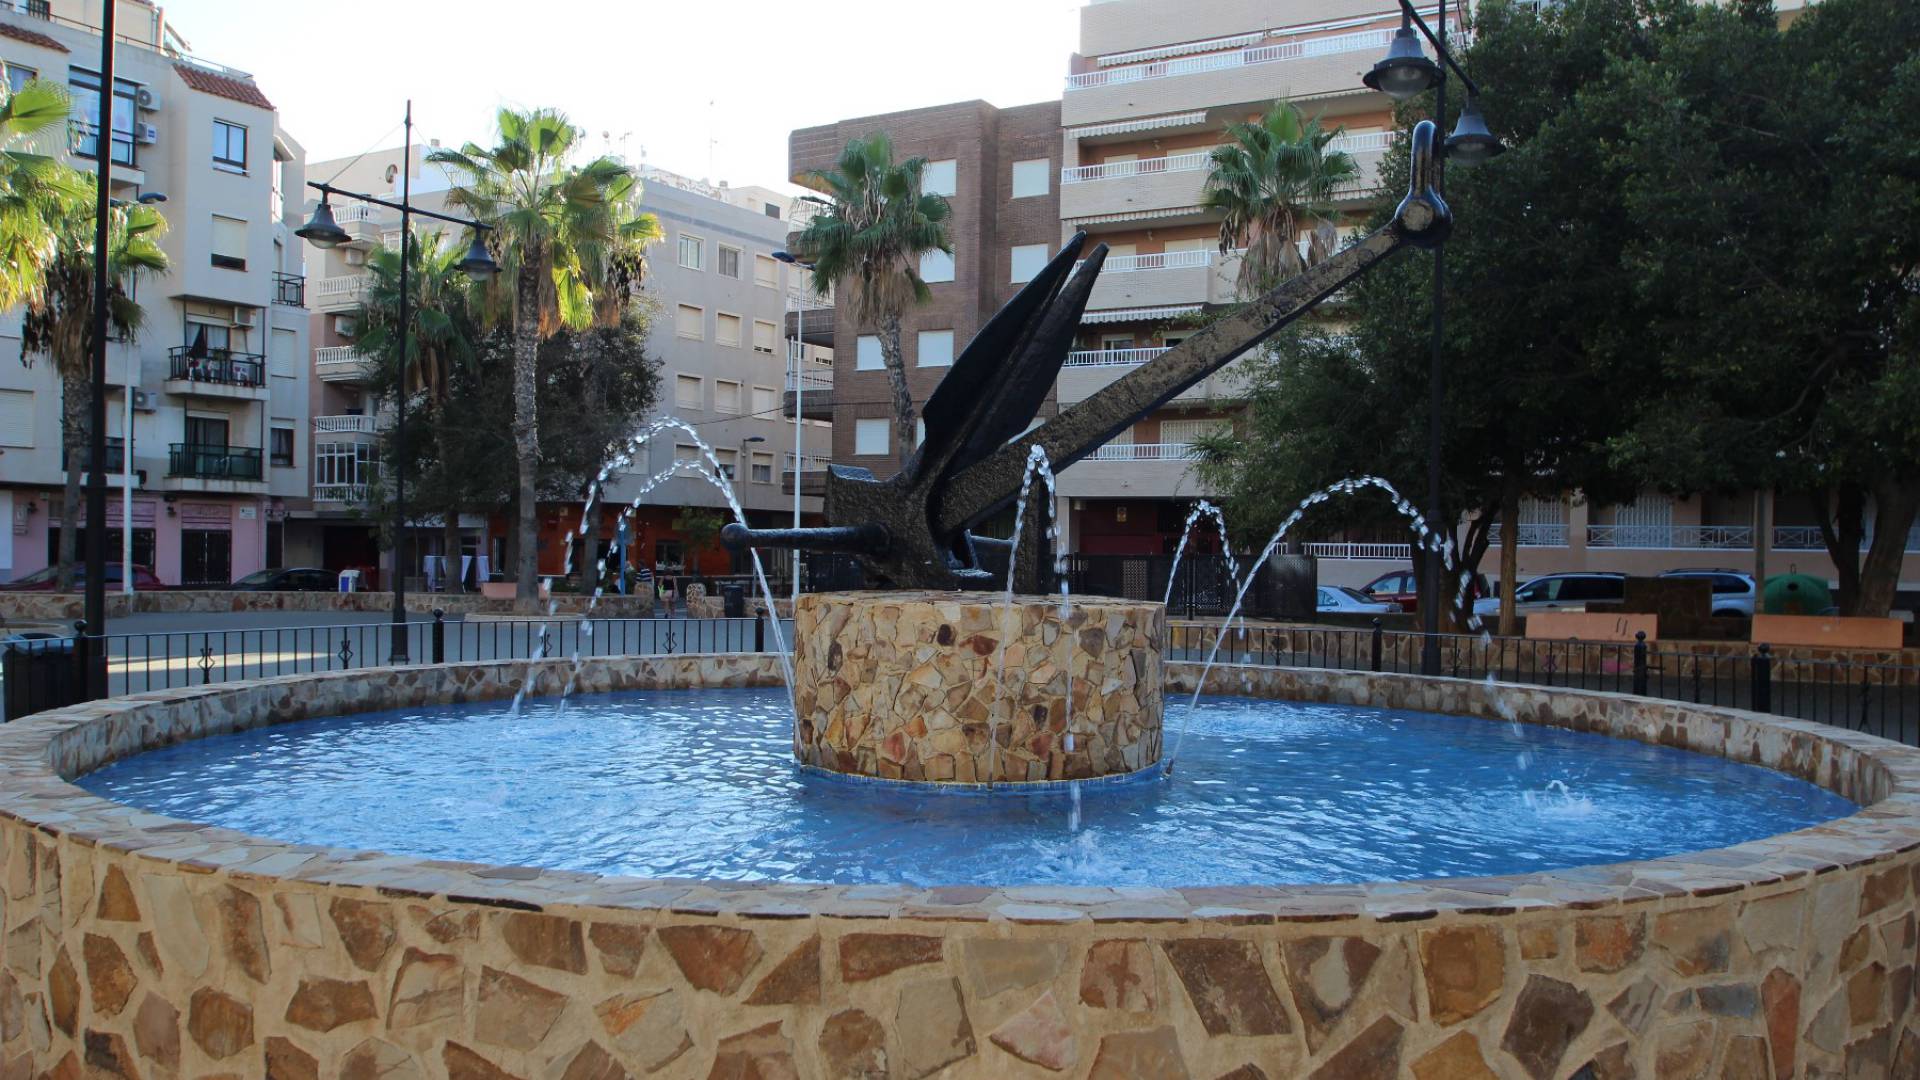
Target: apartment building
x=206 y=406
x=1146 y=97
x=720 y=307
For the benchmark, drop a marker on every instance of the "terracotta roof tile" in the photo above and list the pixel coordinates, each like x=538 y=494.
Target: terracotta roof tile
x=221 y=86
x=31 y=37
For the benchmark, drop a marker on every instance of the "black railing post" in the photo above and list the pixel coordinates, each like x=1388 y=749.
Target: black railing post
x=83 y=666
x=439 y=636
x=1640 y=663
x=1379 y=636
x=1763 y=679
x=760 y=632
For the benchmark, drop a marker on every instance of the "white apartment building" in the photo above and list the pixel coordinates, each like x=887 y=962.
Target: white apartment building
x=215 y=384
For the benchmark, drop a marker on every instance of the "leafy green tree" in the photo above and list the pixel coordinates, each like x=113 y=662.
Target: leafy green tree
x=1773 y=183
x=876 y=223
x=37 y=191
x=1272 y=179
x=570 y=239
x=58 y=323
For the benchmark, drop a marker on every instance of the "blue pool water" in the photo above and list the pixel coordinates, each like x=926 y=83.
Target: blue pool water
x=702 y=784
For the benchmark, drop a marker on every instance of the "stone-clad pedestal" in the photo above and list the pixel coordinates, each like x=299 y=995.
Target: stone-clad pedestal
x=907 y=686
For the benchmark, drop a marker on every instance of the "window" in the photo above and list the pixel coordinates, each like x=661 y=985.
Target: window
x=936 y=266
x=764 y=334
x=765 y=401
x=941 y=178
x=773 y=211
x=345 y=463
x=693 y=252
x=726 y=396
x=18 y=76
x=729 y=262
x=282 y=446
x=1031 y=178
x=229 y=243
x=685 y=454
x=872 y=436
x=86 y=113
x=766 y=271
x=229 y=147
x=936 y=348
x=729 y=462
x=726 y=330
x=1028 y=261
x=1190 y=431
x=690 y=322
x=762 y=468
x=16 y=418
x=866 y=356
x=687 y=392
x=283 y=354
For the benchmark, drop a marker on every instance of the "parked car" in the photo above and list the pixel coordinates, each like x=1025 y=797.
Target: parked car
x=1560 y=592
x=1345 y=601
x=144 y=580
x=1400 y=587
x=289 y=579
x=1733 y=591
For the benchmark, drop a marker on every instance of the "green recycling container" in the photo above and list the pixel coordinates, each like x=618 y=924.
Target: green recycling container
x=1796 y=594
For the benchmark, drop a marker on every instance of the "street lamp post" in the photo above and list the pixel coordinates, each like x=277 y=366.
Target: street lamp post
x=1402 y=74
x=323 y=232
x=96 y=513
x=796 y=356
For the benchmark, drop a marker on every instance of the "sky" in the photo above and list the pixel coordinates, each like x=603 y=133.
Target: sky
x=706 y=88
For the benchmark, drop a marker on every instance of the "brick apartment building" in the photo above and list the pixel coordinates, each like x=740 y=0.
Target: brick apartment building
x=1146 y=97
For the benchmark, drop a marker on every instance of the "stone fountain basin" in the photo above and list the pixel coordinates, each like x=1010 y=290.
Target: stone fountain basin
x=138 y=945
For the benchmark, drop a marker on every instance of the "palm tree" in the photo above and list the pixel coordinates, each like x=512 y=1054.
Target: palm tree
x=569 y=239
x=1272 y=178
x=58 y=322
x=868 y=239
x=442 y=340
x=36 y=190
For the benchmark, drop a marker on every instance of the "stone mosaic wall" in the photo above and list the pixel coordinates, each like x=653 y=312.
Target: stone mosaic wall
x=139 y=946
x=909 y=686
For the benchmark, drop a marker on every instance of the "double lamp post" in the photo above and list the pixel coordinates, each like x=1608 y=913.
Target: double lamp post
x=1404 y=73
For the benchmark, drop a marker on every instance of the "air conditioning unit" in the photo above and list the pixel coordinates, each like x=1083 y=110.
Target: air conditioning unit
x=145 y=400
x=147 y=99
x=345 y=326
x=243 y=318
x=145 y=134
x=356 y=257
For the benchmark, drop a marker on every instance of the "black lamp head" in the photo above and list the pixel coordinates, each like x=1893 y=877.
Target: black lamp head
x=1423 y=216
x=1471 y=143
x=1405 y=71
x=479 y=264
x=321 y=230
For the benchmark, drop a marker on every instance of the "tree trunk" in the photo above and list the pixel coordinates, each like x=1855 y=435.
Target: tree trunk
x=1472 y=549
x=526 y=429
x=75 y=391
x=451 y=542
x=1895 y=506
x=896 y=365
x=1842 y=529
x=1510 y=560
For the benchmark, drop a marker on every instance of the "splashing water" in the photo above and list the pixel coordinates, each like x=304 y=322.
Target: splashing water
x=624 y=457
x=1037 y=464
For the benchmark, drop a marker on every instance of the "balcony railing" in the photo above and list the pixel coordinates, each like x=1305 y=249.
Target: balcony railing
x=289 y=290
x=1808 y=538
x=337 y=360
x=1396 y=552
x=819 y=379
x=222 y=366
x=116 y=456
x=1111 y=357
x=340 y=493
x=1362 y=143
x=1142 y=452
x=1672 y=537
x=1360 y=41
x=355 y=212
x=1121 y=170
x=1163 y=260
x=1532 y=535
x=356 y=425
x=340 y=291
x=213 y=462
x=808 y=464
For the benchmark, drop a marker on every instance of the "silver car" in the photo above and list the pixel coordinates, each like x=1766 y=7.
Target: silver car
x=1733 y=591
x=1560 y=592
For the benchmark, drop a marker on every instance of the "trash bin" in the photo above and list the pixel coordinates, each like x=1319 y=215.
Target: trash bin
x=733 y=599
x=40 y=674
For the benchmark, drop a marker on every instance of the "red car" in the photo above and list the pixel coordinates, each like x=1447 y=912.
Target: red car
x=1399 y=586
x=144 y=580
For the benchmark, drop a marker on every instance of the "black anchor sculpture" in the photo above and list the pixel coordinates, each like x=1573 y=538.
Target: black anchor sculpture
x=914 y=529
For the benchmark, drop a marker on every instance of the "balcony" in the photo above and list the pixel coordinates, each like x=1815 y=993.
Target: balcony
x=1112 y=357
x=814 y=388
x=1808 y=538
x=341 y=494
x=339 y=293
x=360 y=220
x=1142 y=452
x=1165 y=279
x=345 y=425
x=1123 y=190
x=339 y=364
x=1088 y=372
x=1672 y=537
x=815 y=320
x=813 y=475
x=1391 y=552
x=1133 y=470
x=116 y=456
x=220 y=373
x=290 y=290
x=1532 y=535
x=190 y=462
